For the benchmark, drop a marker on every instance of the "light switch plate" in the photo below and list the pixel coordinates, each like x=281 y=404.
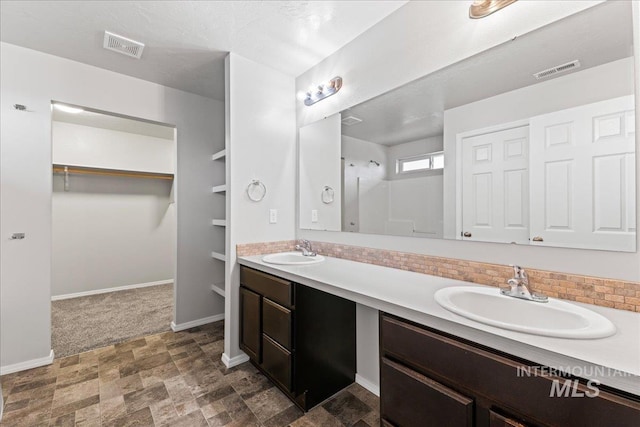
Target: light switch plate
x=314 y=215
x=273 y=216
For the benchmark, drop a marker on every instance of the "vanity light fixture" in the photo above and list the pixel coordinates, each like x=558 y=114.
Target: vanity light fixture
x=482 y=8
x=322 y=91
x=67 y=108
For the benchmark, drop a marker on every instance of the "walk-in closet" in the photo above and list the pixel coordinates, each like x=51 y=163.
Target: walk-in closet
x=114 y=228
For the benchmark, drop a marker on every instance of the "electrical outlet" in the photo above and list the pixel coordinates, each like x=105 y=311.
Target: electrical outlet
x=314 y=215
x=273 y=216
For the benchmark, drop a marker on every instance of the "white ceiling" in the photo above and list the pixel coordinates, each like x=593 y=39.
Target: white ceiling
x=186 y=41
x=595 y=36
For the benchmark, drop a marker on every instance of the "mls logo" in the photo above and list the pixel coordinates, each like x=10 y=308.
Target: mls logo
x=569 y=388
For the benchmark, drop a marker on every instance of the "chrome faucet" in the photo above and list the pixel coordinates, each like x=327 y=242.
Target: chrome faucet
x=519 y=287
x=305 y=247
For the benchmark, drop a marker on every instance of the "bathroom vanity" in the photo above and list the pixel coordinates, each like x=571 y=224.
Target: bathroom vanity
x=301 y=338
x=438 y=368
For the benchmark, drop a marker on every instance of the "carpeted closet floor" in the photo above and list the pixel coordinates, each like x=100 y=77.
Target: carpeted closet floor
x=85 y=323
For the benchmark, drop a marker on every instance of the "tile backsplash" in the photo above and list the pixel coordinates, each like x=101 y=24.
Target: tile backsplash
x=612 y=293
x=248 y=249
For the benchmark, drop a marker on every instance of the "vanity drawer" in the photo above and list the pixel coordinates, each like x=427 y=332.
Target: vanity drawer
x=276 y=361
x=274 y=288
x=408 y=398
x=276 y=322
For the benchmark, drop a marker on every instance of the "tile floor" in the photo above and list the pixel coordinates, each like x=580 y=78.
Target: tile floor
x=168 y=379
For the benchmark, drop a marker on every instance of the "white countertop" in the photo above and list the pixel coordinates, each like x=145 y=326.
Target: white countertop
x=614 y=361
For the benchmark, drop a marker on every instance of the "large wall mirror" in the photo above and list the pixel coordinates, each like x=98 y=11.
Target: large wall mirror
x=531 y=142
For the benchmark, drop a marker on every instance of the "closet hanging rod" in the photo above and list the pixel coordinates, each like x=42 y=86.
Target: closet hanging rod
x=110 y=172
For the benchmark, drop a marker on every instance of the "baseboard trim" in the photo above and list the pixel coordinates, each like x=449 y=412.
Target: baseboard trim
x=373 y=388
x=230 y=362
x=107 y=290
x=28 y=364
x=177 y=327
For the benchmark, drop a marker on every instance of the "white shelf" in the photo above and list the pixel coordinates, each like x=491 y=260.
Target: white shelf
x=219 y=155
x=218 y=255
x=218 y=288
x=219 y=188
x=219 y=222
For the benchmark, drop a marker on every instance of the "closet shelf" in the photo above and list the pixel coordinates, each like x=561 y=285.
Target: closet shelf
x=218 y=288
x=218 y=256
x=219 y=189
x=219 y=222
x=219 y=155
x=80 y=170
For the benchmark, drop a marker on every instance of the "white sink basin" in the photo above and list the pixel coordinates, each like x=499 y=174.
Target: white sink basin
x=552 y=319
x=292 y=258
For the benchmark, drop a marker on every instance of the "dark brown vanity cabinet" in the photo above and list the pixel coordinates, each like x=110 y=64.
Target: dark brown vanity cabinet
x=428 y=378
x=301 y=338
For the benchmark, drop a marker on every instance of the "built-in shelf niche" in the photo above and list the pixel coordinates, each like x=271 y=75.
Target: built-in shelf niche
x=219 y=167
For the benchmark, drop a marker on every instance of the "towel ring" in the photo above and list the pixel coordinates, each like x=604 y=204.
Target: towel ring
x=256 y=190
x=327 y=195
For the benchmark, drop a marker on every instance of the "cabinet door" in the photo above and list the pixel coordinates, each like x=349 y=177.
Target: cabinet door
x=250 y=315
x=408 y=399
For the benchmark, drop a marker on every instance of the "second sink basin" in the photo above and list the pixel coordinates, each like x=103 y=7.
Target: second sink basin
x=552 y=319
x=292 y=258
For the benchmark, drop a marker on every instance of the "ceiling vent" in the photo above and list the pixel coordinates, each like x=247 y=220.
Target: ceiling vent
x=557 y=70
x=123 y=45
x=350 y=121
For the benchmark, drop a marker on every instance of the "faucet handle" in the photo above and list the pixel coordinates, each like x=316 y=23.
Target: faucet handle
x=305 y=243
x=520 y=273
x=516 y=270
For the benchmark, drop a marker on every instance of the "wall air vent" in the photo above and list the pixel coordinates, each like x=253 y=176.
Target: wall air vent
x=350 y=121
x=556 y=70
x=123 y=45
